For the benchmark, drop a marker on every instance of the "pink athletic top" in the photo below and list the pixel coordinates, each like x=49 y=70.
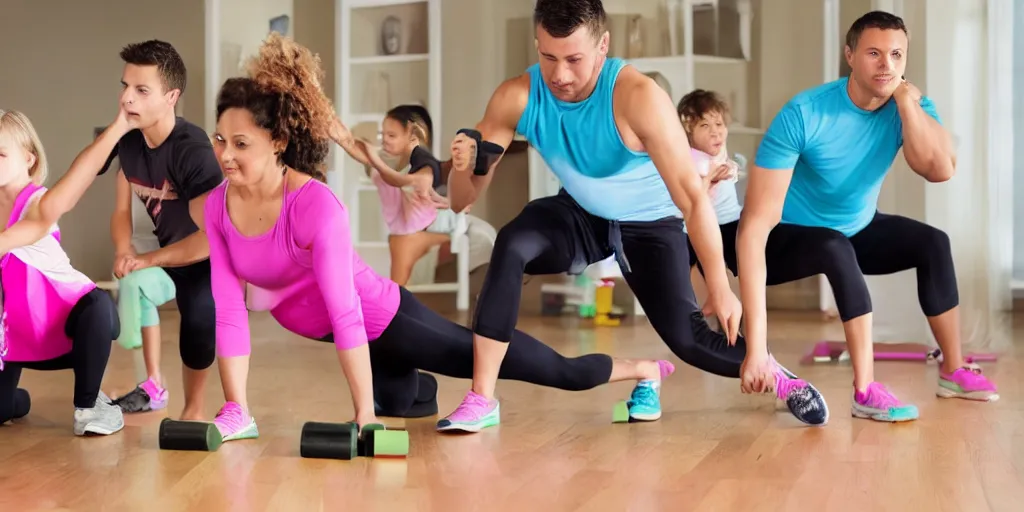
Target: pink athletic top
x=306 y=269
x=40 y=287
x=403 y=213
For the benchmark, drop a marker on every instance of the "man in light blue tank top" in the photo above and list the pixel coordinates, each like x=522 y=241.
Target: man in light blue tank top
x=611 y=136
x=811 y=208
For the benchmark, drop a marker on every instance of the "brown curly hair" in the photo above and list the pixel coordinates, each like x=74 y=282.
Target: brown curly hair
x=698 y=103
x=283 y=94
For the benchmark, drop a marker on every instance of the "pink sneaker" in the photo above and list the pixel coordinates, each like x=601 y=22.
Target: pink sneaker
x=878 y=404
x=234 y=423
x=967 y=383
x=148 y=396
x=474 y=414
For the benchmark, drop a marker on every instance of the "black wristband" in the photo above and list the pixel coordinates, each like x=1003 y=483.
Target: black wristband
x=486 y=152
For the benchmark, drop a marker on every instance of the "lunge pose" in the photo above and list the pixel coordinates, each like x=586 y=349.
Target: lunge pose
x=169 y=163
x=52 y=317
x=612 y=137
x=274 y=225
x=811 y=208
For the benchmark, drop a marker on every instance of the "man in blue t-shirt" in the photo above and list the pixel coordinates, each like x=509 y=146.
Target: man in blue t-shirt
x=811 y=208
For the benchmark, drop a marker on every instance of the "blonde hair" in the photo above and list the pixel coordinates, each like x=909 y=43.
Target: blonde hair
x=20 y=129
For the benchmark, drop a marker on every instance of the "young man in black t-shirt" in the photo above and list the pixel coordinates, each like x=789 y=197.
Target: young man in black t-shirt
x=170 y=165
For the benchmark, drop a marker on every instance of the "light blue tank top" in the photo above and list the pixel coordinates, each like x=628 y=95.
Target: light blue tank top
x=581 y=145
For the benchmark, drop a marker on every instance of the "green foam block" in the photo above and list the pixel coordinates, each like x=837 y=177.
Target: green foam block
x=620 y=414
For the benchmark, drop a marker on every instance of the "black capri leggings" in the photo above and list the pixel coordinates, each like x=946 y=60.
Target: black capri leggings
x=197 y=338
x=419 y=339
x=889 y=244
x=554 y=235
x=92 y=326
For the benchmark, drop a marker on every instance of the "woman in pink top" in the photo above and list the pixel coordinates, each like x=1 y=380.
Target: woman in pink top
x=273 y=226
x=53 y=317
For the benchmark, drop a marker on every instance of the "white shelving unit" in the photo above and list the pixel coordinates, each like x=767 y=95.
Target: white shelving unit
x=414 y=77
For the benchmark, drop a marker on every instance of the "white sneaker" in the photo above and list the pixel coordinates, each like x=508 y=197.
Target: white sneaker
x=102 y=419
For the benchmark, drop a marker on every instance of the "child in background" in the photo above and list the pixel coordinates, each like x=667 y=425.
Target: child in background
x=705 y=117
x=417 y=216
x=139 y=294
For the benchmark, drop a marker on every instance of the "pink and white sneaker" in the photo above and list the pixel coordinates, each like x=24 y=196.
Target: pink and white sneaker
x=967 y=383
x=879 y=404
x=474 y=414
x=233 y=422
x=148 y=396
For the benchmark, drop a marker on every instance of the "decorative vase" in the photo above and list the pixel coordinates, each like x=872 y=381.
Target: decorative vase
x=391 y=35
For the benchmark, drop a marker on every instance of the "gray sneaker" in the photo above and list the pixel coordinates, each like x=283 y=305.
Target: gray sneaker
x=102 y=419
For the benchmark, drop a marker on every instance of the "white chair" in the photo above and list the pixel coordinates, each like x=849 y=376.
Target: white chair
x=460 y=248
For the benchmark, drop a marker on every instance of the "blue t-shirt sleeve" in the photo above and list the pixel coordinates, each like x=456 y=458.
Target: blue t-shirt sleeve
x=782 y=143
x=929 y=108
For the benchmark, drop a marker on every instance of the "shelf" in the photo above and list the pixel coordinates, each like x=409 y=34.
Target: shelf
x=363 y=4
x=372 y=117
x=744 y=130
x=714 y=59
x=655 y=63
x=390 y=59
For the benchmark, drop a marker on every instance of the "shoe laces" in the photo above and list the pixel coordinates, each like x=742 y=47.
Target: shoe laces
x=470 y=404
x=879 y=396
x=231 y=416
x=644 y=394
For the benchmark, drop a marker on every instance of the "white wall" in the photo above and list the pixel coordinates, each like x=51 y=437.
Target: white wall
x=244 y=24
x=1018 y=130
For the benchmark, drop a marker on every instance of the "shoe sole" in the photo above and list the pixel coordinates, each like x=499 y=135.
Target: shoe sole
x=646 y=417
x=249 y=432
x=977 y=396
x=98 y=430
x=471 y=428
x=883 y=417
x=824 y=402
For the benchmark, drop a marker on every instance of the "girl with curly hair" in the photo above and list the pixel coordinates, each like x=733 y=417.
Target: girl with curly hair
x=275 y=226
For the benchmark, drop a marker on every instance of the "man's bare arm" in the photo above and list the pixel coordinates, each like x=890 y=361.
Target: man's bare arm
x=121 y=220
x=762 y=211
x=498 y=126
x=652 y=117
x=927 y=145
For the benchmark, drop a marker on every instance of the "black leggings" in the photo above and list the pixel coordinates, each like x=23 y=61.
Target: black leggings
x=92 y=326
x=554 y=235
x=197 y=338
x=889 y=244
x=728 y=231
x=419 y=339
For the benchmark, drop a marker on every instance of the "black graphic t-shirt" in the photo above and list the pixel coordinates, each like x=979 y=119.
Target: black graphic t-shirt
x=167 y=177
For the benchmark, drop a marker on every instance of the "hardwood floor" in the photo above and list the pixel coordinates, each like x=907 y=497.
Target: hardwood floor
x=715 y=449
